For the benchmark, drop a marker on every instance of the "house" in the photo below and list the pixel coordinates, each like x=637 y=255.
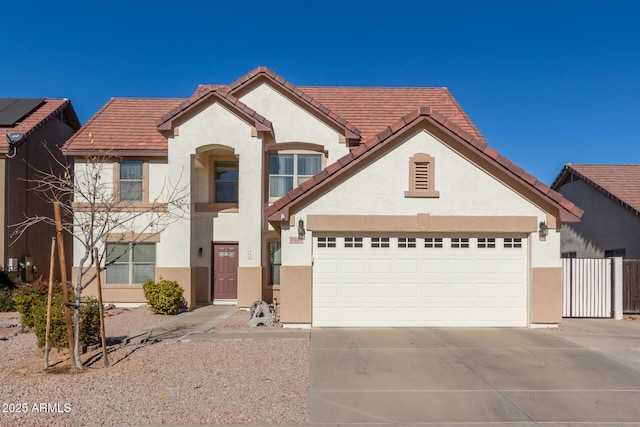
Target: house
x=348 y=206
x=33 y=130
x=611 y=222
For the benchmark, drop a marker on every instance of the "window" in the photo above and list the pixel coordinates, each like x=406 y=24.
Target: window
x=353 y=242
x=287 y=171
x=571 y=254
x=433 y=242
x=275 y=256
x=379 y=242
x=225 y=185
x=512 y=242
x=615 y=252
x=486 y=242
x=132 y=263
x=326 y=242
x=130 y=181
x=421 y=176
x=406 y=242
x=459 y=242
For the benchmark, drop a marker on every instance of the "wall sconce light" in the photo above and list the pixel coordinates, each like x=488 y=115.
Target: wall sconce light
x=301 y=231
x=544 y=230
x=199 y=252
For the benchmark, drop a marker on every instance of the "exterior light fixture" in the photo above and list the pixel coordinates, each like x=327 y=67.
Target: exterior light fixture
x=301 y=231
x=199 y=252
x=544 y=230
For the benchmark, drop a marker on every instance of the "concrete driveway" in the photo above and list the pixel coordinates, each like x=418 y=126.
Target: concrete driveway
x=586 y=372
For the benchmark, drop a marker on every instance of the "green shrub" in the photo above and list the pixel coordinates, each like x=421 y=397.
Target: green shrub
x=7 y=287
x=164 y=297
x=89 y=322
x=28 y=295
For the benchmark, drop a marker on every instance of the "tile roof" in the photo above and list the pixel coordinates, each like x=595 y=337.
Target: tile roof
x=280 y=209
x=133 y=125
x=38 y=117
x=124 y=125
x=620 y=182
x=374 y=108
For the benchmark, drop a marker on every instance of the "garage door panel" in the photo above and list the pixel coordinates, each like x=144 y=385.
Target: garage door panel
x=420 y=286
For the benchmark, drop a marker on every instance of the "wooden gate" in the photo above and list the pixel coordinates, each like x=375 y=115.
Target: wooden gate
x=587 y=289
x=631 y=286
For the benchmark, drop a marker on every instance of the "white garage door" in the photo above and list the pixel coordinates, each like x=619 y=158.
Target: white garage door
x=419 y=281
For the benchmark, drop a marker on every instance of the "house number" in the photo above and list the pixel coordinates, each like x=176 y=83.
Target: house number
x=229 y=254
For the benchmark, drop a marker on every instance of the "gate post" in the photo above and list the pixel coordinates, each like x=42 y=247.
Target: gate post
x=617 y=286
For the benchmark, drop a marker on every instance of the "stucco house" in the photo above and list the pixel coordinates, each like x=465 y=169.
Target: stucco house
x=32 y=130
x=610 y=195
x=349 y=206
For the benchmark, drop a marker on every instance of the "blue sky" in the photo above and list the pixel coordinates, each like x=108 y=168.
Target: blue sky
x=547 y=82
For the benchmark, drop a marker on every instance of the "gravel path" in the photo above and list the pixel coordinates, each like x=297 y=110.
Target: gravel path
x=218 y=382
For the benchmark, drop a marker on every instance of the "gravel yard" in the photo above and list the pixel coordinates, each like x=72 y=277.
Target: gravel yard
x=218 y=382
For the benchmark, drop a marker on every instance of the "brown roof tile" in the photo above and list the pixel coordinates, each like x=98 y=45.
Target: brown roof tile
x=619 y=181
x=372 y=109
x=124 y=124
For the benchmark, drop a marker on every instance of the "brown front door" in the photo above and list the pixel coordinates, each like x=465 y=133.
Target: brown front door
x=225 y=271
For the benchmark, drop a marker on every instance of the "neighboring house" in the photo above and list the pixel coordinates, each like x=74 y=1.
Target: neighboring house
x=350 y=206
x=610 y=195
x=32 y=132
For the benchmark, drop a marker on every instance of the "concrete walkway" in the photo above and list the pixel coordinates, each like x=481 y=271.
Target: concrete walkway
x=199 y=325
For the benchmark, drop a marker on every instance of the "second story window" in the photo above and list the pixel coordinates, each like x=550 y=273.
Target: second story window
x=226 y=181
x=130 y=181
x=287 y=171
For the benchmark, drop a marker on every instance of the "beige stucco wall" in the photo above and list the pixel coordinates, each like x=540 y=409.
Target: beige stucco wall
x=291 y=123
x=249 y=285
x=546 y=295
x=295 y=293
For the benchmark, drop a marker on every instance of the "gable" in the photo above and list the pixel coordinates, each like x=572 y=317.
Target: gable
x=470 y=147
x=464 y=188
x=291 y=121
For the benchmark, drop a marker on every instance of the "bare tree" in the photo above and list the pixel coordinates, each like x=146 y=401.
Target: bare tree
x=95 y=210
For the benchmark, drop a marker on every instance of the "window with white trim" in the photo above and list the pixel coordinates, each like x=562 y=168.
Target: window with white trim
x=130 y=180
x=379 y=242
x=433 y=242
x=406 y=242
x=512 y=242
x=133 y=263
x=486 y=242
x=287 y=171
x=353 y=242
x=326 y=242
x=459 y=242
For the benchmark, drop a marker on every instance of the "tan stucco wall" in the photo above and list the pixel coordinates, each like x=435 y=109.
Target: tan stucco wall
x=546 y=295
x=249 y=285
x=295 y=293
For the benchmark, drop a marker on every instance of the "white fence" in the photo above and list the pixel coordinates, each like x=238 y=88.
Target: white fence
x=587 y=287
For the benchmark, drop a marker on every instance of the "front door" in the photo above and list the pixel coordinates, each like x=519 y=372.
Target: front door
x=225 y=271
